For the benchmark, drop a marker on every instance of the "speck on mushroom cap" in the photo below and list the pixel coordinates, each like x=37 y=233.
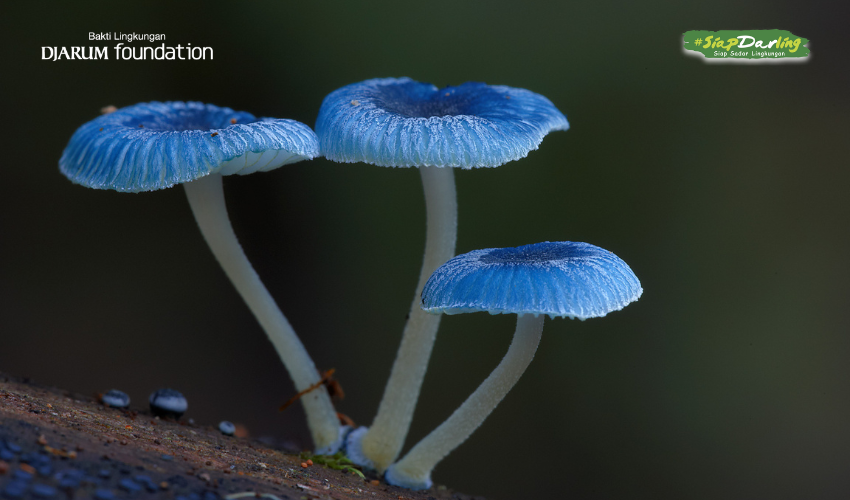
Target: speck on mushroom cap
x=566 y=279
x=398 y=122
x=156 y=145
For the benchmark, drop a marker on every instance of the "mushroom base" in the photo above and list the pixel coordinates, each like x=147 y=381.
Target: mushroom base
x=410 y=482
x=337 y=445
x=354 y=448
x=414 y=470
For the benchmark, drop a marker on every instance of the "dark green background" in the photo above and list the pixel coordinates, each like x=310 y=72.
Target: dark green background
x=725 y=188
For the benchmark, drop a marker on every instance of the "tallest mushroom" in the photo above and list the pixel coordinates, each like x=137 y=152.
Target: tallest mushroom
x=398 y=122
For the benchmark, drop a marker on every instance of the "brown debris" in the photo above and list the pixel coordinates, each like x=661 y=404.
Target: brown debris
x=85 y=424
x=60 y=453
x=345 y=419
x=327 y=380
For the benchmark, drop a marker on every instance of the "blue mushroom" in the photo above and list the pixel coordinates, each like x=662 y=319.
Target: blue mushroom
x=558 y=279
x=116 y=399
x=168 y=403
x=398 y=122
x=156 y=145
x=227 y=428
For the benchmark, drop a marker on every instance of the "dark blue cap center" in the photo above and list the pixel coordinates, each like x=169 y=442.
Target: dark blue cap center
x=540 y=252
x=190 y=118
x=420 y=100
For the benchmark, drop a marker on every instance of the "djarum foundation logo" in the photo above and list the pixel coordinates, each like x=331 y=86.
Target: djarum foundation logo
x=746 y=46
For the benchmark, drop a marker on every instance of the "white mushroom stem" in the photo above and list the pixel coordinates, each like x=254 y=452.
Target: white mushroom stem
x=414 y=470
x=206 y=197
x=385 y=438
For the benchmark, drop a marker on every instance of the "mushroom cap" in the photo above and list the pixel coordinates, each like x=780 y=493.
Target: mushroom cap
x=227 y=428
x=168 y=401
x=155 y=145
x=398 y=122
x=116 y=399
x=566 y=279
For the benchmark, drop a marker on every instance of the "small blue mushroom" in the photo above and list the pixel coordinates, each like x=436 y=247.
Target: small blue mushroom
x=156 y=145
x=559 y=279
x=168 y=403
x=398 y=122
x=227 y=428
x=115 y=399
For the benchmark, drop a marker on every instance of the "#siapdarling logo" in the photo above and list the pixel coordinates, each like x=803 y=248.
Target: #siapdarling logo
x=746 y=46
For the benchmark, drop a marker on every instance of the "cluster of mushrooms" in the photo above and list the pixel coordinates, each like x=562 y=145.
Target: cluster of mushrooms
x=393 y=122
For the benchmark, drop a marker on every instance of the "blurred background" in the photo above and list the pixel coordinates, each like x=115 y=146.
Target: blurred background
x=724 y=187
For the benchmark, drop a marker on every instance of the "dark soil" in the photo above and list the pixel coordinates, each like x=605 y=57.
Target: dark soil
x=56 y=445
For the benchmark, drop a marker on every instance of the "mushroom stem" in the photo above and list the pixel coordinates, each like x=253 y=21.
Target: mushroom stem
x=206 y=197
x=382 y=443
x=414 y=470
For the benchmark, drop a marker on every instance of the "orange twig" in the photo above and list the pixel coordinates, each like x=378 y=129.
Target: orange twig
x=326 y=377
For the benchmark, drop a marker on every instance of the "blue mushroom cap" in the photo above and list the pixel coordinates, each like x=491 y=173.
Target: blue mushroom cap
x=227 y=428
x=398 y=122
x=156 y=145
x=566 y=279
x=168 y=402
x=116 y=399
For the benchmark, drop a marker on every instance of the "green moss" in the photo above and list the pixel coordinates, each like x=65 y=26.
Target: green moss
x=337 y=461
